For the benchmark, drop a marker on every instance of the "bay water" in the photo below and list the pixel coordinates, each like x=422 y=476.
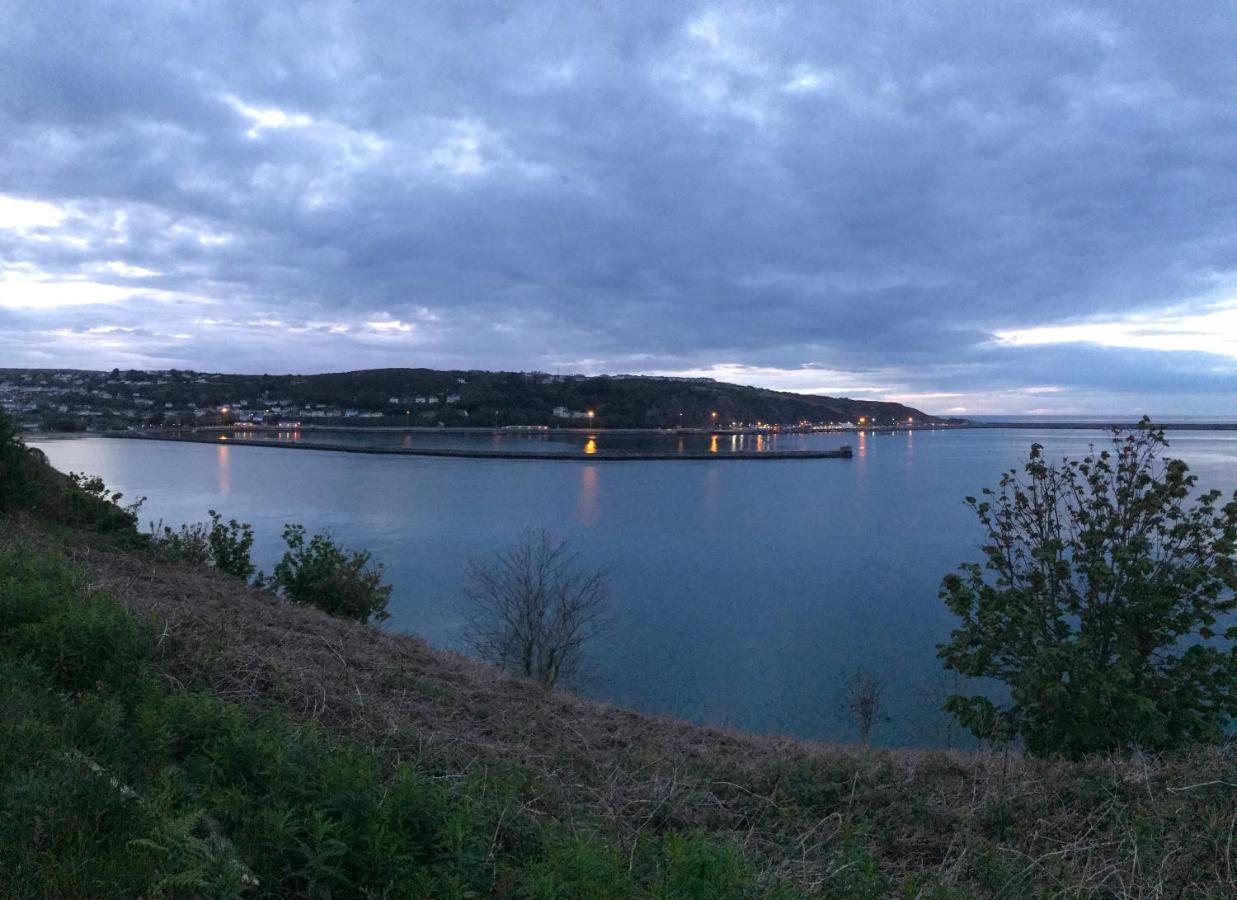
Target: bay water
x=745 y=593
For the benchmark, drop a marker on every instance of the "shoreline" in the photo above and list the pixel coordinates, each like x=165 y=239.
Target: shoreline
x=168 y=434
x=1100 y=425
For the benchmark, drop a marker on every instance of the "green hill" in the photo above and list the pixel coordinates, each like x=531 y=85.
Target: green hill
x=429 y=396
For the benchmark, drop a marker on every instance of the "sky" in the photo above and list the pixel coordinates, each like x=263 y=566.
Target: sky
x=986 y=207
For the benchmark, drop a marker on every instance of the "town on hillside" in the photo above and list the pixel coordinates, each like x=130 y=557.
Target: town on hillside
x=69 y=400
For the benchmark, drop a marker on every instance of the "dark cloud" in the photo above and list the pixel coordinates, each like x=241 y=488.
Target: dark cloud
x=842 y=196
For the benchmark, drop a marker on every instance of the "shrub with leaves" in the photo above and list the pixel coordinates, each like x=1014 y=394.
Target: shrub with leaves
x=96 y=506
x=230 y=545
x=28 y=483
x=321 y=573
x=1100 y=604
x=14 y=475
x=225 y=545
x=188 y=544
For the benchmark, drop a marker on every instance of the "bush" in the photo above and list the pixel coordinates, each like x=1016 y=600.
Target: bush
x=323 y=574
x=189 y=544
x=534 y=608
x=93 y=505
x=15 y=482
x=29 y=484
x=230 y=546
x=1097 y=605
x=79 y=639
x=224 y=545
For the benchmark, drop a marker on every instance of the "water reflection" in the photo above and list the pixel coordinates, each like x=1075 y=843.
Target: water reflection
x=223 y=466
x=590 y=446
x=587 y=508
x=713 y=444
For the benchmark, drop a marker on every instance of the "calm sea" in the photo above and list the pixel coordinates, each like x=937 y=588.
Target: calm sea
x=746 y=592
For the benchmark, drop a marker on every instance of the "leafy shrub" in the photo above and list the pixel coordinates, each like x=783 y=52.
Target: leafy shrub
x=15 y=486
x=1097 y=605
x=190 y=543
x=88 y=643
x=93 y=505
x=28 y=483
x=80 y=639
x=225 y=545
x=32 y=587
x=323 y=574
x=230 y=546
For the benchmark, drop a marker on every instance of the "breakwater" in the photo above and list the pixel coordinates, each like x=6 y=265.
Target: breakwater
x=217 y=438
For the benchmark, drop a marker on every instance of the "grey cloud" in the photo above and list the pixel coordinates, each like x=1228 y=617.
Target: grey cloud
x=856 y=187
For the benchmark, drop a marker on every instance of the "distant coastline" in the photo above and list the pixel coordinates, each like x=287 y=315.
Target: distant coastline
x=1099 y=425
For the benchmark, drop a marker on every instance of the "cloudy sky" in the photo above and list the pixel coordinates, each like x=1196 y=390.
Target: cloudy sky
x=971 y=207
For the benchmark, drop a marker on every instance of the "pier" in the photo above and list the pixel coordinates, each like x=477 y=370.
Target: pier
x=219 y=436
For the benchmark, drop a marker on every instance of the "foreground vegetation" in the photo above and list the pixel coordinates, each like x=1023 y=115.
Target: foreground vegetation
x=115 y=785
x=1105 y=604
x=169 y=730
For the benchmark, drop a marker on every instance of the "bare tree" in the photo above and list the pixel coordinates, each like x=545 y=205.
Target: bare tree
x=534 y=608
x=864 y=693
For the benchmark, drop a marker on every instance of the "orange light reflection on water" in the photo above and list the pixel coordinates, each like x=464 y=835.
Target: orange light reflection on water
x=590 y=446
x=588 y=506
x=223 y=467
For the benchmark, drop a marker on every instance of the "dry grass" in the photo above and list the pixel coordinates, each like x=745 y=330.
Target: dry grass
x=832 y=819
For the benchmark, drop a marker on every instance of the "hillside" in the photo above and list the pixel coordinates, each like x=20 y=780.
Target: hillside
x=427 y=397
x=200 y=726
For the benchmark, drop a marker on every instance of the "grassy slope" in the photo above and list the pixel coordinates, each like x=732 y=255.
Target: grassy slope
x=118 y=780
x=638 y=794
x=167 y=729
